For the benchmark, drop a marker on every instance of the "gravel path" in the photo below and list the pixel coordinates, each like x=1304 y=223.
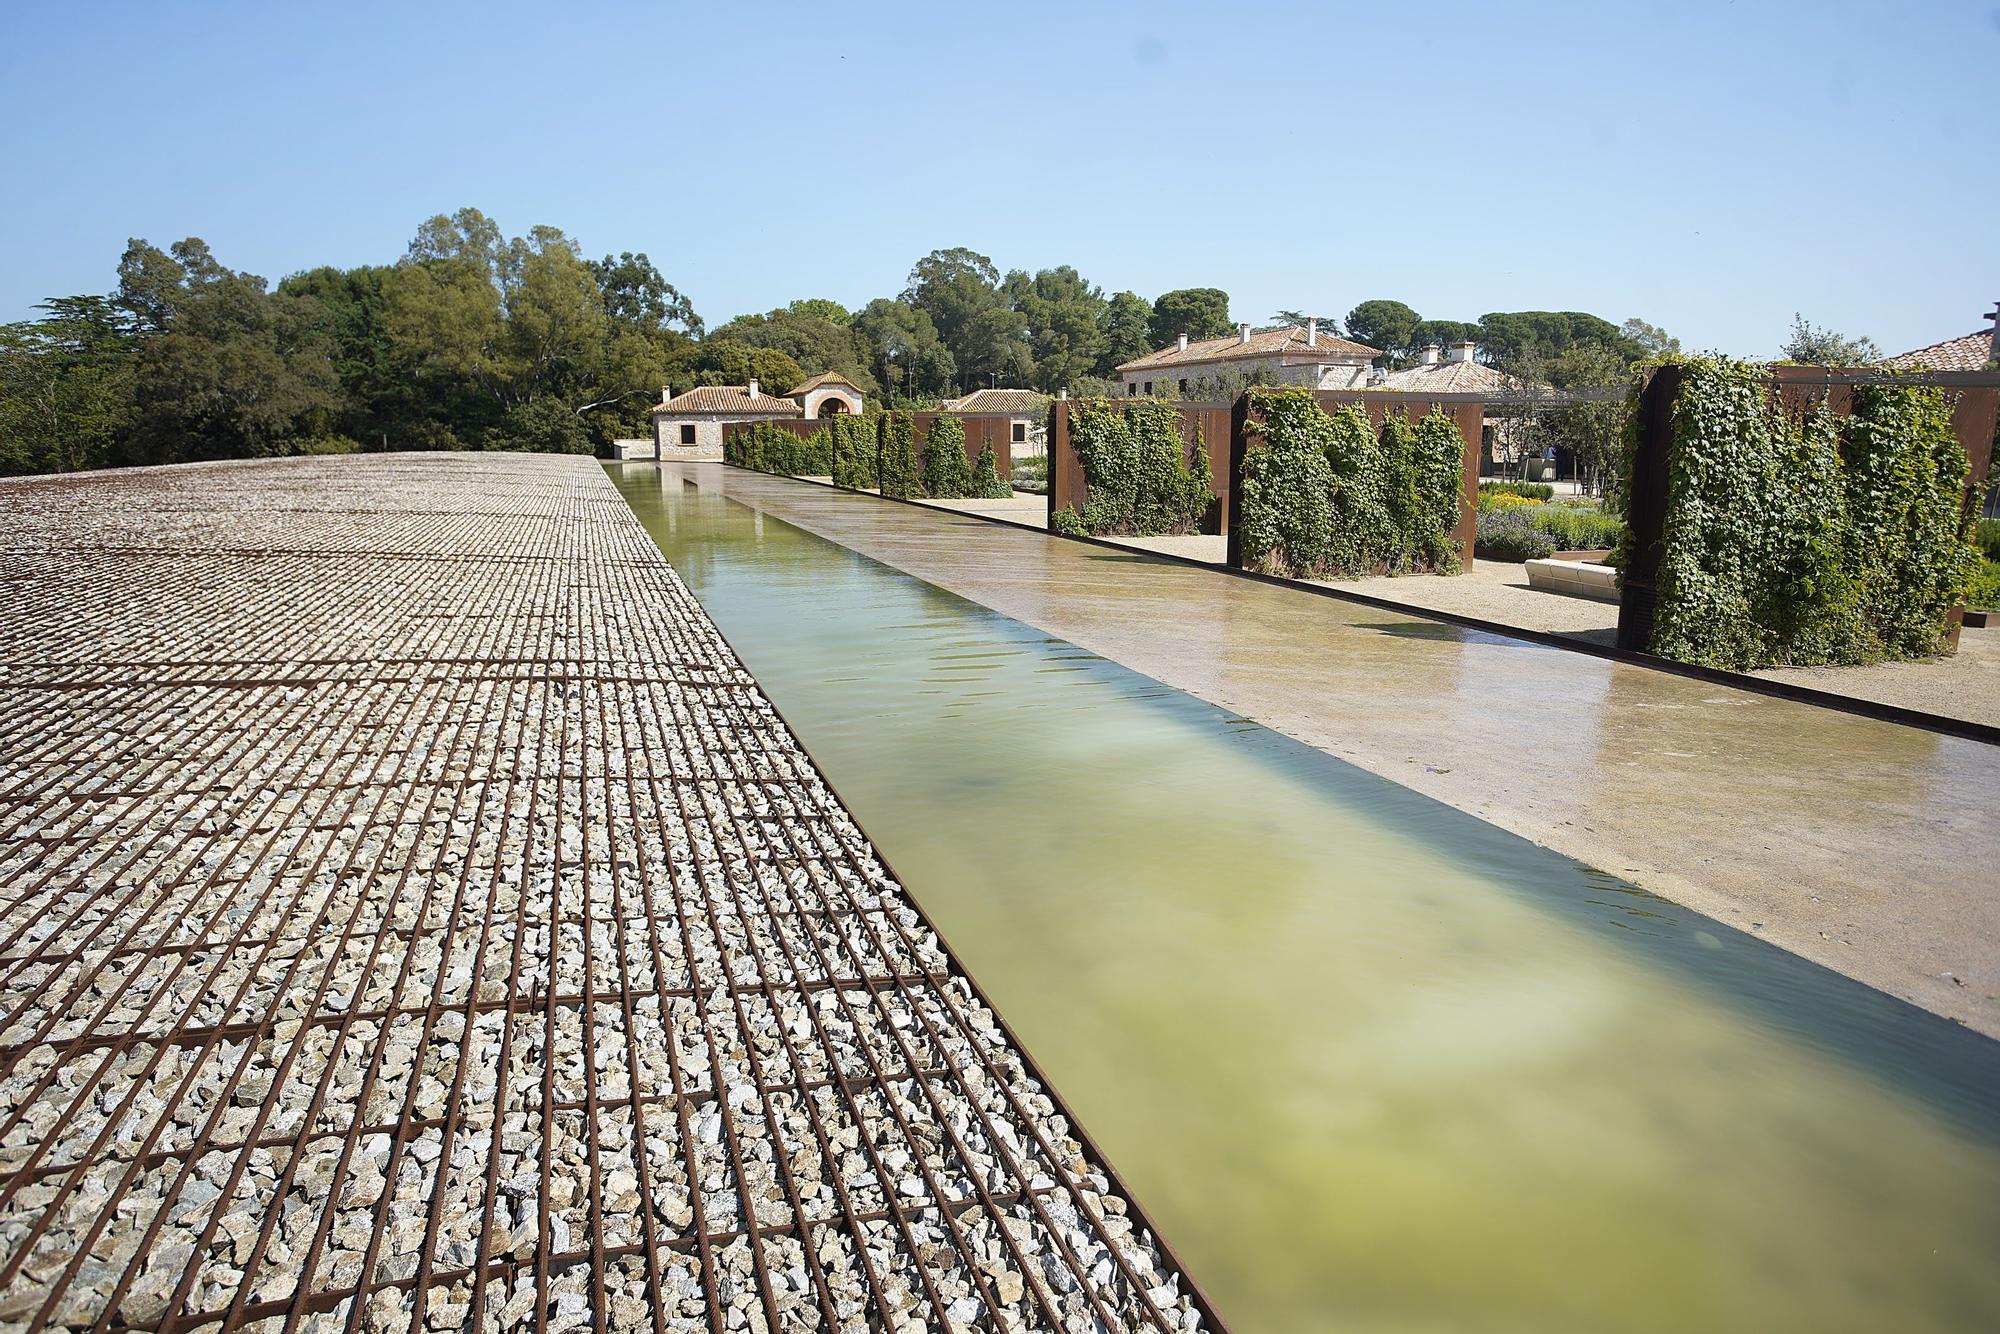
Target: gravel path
x=414 y=917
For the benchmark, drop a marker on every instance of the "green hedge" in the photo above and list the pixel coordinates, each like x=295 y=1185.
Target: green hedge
x=1526 y=490
x=1330 y=495
x=1141 y=480
x=1812 y=540
x=986 y=483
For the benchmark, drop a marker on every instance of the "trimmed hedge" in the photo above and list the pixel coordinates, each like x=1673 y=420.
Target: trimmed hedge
x=1141 y=480
x=1810 y=539
x=1330 y=495
x=854 y=448
x=1525 y=490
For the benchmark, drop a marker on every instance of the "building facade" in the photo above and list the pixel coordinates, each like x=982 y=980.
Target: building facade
x=689 y=426
x=1298 y=356
x=1027 y=411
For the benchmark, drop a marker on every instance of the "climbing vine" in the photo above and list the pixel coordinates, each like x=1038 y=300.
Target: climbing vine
x=986 y=482
x=897 y=458
x=1141 y=479
x=1329 y=494
x=1807 y=539
x=767 y=447
x=947 y=475
x=854 y=446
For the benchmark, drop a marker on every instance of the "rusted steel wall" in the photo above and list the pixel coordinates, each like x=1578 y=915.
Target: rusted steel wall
x=1975 y=397
x=981 y=430
x=1468 y=411
x=1207 y=422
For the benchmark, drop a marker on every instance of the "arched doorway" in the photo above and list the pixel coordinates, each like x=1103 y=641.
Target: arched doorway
x=832 y=407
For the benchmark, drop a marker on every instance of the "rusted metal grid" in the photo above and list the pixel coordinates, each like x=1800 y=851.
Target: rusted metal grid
x=412 y=916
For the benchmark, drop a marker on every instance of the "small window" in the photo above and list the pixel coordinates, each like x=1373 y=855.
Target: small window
x=687 y=434
x=1020 y=433
x=1149 y=386
x=1131 y=391
x=1184 y=384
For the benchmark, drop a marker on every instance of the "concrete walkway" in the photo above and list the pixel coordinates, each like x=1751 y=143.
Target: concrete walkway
x=1868 y=847
x=416 y=918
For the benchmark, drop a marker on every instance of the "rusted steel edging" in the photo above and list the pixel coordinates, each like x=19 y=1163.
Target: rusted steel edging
x=1756 y=685
x=1210 y=1318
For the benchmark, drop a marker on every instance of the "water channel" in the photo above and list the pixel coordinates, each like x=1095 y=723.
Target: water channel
x=1371 y=1063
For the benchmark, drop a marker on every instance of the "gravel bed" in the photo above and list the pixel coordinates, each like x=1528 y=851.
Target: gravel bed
x=413 y=916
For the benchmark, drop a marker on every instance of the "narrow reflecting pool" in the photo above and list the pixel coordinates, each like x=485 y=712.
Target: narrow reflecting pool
x=1373 y=1064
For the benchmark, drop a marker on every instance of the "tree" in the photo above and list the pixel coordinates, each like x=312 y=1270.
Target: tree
x=1812 y=345
x=1591 y=429
x=1198 y=312
x=65 y=386
x=1064 y=319
x=960 y=291
x=1513 y=338
x=815 y=342
x=635 y=293
x=1390 y=327
x=910 y=361
x=727 y=361
x=1651 y=338
x=830 y=311
x=1298 y=319
x=223 y=368
x=1439 y=333
x=1123 y=325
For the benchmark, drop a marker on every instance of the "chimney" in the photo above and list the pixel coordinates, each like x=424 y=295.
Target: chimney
x=1183 y=342
x=1431 y=354
x=663 y=392
x=753 y=386
x=1312 y=333
x=1242 y=333
x=1462 y=352
x=1064 y=395
x=1993 y=349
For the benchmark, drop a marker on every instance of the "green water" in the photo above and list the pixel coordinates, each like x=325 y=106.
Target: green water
x=1372 y=1064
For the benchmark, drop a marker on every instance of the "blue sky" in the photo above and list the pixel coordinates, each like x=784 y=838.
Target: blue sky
x=1709 y=167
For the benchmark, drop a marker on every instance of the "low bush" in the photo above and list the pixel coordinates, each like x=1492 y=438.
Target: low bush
x=1985 y=591
x=1504 y=500
x=1986 y=536
x=1510 y=536
x=1524 y=490
x=1031 y=474
x=986 y=483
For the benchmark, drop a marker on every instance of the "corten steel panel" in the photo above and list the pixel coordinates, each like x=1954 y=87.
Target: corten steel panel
x=1068 y=488
x=1468 y=413
x=1975 y=397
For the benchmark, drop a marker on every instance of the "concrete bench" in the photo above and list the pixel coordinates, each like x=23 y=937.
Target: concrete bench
x=1576 y=578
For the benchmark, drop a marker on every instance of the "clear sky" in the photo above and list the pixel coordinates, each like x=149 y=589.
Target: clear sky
x=1709 y=167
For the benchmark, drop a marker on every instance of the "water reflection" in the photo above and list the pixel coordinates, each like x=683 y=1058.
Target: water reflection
x=1373 y=1063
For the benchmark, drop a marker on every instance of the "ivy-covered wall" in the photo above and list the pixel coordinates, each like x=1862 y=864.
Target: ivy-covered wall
x=896 y=466
x=768 y=447
x=1138 y=471
x=1790 y=537
x=1329 y=494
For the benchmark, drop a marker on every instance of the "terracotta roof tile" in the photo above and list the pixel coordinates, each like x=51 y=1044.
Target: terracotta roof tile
x=1288 y=342
x=1014 y=402
x=1970 y=352
x=1451 y=377
x=823 y=378
x=728 y=398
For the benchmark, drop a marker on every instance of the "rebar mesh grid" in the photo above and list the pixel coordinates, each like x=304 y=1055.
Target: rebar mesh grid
x=412 y=916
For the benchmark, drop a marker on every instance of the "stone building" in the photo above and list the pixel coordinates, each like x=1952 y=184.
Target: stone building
x=689 y=426
x=1028 y=411
x=1302 y=356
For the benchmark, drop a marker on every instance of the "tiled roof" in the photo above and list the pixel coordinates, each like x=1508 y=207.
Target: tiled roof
x=823 y=378
x=1013 y=402
x=1451 y=377
x=728 y=398
x=1970 y=352
x=1290 y=342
